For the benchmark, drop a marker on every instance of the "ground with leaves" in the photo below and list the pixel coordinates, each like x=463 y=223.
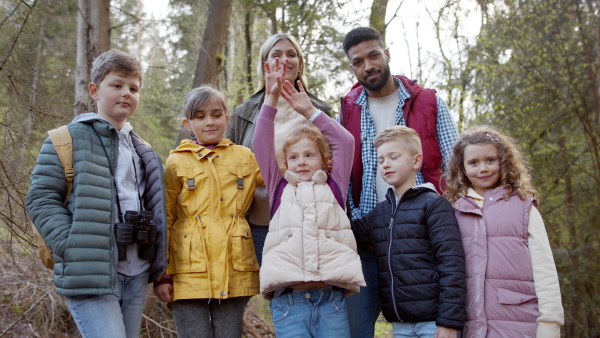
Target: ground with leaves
x=29 y=306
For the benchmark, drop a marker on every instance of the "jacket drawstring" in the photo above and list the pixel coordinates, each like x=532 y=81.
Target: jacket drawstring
x=234 y=224
x=204 y=244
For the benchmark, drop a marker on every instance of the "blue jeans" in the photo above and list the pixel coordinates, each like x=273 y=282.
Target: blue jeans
x=418 y=330
x=364 y=307
x=113 y=315
x=259 y=233
x=310 y=313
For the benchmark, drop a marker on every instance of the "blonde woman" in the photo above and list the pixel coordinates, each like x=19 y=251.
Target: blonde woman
x=241 y=126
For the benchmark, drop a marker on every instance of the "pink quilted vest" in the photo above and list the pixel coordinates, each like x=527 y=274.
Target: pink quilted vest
x=501 y=298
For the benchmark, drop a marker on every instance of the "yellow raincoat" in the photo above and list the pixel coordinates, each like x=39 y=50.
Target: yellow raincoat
x=211 y=253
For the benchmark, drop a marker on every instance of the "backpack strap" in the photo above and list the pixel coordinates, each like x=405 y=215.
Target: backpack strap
x=63 y=143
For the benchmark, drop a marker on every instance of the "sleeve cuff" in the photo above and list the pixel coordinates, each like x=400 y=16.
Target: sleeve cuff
x=164 y=280
x=314 y=116
x=548 y=330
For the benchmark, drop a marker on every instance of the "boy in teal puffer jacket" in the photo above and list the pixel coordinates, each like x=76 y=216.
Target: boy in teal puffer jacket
x=103 y=259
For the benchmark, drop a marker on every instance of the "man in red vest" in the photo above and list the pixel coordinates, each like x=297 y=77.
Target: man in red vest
x=380 y=100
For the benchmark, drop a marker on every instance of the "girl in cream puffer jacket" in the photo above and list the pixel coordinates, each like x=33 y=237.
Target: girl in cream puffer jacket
x=310 y=261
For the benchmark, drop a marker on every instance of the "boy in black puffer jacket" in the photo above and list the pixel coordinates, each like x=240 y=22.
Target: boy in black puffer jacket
x=417 y=244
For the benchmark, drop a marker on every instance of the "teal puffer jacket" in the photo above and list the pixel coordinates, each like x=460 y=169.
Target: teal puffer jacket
x=81 y=234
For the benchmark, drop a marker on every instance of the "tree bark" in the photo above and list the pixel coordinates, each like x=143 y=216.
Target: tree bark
x=93 y=39
x=377 y=17
x=248 y=38
x=210 y=61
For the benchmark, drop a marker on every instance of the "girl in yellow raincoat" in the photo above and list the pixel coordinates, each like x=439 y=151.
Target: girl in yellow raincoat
x=209 y=182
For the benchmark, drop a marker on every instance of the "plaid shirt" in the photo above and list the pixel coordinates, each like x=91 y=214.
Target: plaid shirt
x=447 y=134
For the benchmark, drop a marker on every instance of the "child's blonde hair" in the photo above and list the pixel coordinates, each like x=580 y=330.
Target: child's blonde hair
x=312 y=133
x=406 y=135
x=513 y=169
x=117 y=61
x=198 y=96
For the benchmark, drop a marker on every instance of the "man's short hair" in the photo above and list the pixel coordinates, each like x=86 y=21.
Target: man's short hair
x=360 y=34
x=407 y=136
x=117 y=61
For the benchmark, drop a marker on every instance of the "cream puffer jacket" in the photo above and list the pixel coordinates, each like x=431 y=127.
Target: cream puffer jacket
x=310 y=240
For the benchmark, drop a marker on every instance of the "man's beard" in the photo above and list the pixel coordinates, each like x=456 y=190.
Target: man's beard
x=379 y=84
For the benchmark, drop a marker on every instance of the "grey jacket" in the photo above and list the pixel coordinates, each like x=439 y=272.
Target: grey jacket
x=81 y=234
x=240 y=129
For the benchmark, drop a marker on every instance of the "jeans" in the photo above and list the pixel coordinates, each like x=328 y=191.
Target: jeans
x=214 y=318
x=259 y=233
x=418 y=330
x=364 y=307
x=310 y=313
x=115 y=315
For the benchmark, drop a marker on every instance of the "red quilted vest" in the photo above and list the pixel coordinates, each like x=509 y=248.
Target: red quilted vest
x=420 y=114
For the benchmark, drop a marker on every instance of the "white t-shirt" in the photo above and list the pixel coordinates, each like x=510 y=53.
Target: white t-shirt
x=383 y=112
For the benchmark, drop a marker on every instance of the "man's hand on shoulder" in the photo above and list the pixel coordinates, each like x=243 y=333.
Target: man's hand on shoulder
x=444 y=332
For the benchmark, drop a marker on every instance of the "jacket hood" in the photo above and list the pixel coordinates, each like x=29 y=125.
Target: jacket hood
x=89 y=117
x=391 y=194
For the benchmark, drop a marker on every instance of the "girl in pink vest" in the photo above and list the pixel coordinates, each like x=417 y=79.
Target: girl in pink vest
x=512 y=283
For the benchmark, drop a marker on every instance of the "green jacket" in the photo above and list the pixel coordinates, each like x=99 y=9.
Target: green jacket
x=81 y=233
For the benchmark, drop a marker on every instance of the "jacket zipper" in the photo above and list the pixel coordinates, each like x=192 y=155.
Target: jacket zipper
x=390 y=270
x=391 y=226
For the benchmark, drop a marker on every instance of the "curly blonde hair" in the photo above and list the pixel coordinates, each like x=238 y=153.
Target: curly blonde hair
x=309 y=132
x=514 y=174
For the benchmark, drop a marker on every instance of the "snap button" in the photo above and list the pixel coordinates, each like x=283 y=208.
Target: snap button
x=209 y=156
x=491 y=198
x=199 y=155
x=223 y=293
x=184 y=236
x=221 y=198
x=307 y=295
x=246 y=233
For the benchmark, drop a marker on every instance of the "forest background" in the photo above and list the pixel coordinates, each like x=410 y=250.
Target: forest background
x=531 y=68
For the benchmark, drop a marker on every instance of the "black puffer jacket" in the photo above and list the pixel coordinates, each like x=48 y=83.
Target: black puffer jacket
x=419 y=256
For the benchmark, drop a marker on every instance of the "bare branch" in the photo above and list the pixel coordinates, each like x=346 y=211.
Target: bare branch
x=16 y=39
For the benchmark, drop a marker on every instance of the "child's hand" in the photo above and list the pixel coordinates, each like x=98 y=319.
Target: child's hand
x=298 y=99
x=273 y=81
x=444 y=332
x=164 y=292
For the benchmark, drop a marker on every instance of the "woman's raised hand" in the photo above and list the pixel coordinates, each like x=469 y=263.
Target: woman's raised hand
x=298 y=99
x=274 y=80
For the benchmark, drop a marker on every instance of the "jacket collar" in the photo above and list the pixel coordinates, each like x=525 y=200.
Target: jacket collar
x=468 y=202
x=319 y=177
x=252 y=106
x=410 y=193
x=189 y=145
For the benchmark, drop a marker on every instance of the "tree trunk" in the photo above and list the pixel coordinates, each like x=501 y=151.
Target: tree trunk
x=377 y=17
x=210 y=61
x=93 y=39
x=248 y=39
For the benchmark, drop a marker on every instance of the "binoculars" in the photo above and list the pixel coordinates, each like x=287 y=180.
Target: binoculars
x=137 y=228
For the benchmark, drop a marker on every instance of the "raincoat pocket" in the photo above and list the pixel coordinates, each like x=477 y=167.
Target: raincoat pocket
x=242 y=249
x=186 y=251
